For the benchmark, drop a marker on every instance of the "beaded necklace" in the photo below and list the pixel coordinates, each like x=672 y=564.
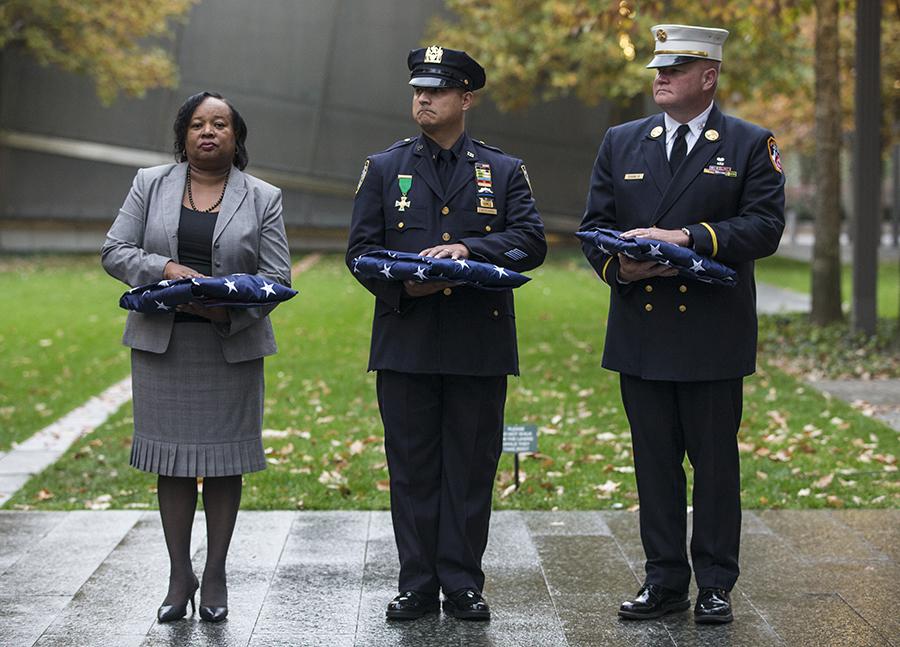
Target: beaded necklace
x=191 y=195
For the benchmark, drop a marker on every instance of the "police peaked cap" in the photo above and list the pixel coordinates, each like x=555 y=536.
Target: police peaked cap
x=436 y=67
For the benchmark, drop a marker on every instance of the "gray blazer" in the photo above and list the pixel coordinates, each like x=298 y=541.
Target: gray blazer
x=249 y=237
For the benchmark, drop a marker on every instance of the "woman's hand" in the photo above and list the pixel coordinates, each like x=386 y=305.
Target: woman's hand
x=218 y=314
x=173 y=271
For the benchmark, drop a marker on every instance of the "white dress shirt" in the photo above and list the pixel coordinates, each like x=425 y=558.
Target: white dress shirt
x=696 y=129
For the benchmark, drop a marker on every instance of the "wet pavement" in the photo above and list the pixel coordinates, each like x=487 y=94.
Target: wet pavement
x=85 y=578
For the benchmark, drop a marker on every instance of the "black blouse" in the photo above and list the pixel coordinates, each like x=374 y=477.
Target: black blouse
x=195 y=236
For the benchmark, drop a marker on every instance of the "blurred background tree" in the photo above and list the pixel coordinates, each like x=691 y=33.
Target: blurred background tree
x=111 y=42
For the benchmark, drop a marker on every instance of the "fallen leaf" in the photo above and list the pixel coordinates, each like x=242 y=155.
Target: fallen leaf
x=606 y=489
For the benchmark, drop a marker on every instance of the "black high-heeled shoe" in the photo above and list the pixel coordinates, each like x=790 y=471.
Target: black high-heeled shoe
x=170 y=612
x=213 y=614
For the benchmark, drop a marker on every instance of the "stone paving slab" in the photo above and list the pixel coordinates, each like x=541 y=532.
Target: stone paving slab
x=809 y=578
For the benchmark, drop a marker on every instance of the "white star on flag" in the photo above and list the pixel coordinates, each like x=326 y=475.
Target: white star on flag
x=195 y=281
x=697 y=266
x=461 y=262
x=654 y=250
x=386 y=271
x=164 y=283
x=269 y=289
x=356 y=264
x=160 y=305
x=501 y=272
x=420 y=272
x=230 y=285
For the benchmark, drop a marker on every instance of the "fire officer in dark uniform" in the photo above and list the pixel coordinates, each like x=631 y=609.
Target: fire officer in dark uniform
x=442 y=351
x=694 y=177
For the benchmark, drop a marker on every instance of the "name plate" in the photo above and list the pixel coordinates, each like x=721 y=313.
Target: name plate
x=520 y=439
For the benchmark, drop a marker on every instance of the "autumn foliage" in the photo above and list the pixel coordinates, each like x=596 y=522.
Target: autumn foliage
x=120 y=45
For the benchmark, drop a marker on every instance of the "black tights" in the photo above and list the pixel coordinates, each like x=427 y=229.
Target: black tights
x=177 y=504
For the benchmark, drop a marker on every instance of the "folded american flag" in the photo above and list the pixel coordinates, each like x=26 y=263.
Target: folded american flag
x=233 y=290
x=389 y=265
x=689 y=264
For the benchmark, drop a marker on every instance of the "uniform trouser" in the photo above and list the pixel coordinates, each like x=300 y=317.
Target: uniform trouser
x=702 y=418
x=442 y=436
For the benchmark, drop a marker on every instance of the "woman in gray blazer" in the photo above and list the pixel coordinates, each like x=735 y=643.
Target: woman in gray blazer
x=197 y=374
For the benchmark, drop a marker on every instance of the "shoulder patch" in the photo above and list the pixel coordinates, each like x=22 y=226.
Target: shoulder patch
x=402 y=142
x=362 y=176
x=488 y=146
x=774 y=155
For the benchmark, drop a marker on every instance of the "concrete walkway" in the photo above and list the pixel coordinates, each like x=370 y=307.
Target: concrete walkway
x=771 y=300
x=32 y=456
x=810 y=578
x=878 y=398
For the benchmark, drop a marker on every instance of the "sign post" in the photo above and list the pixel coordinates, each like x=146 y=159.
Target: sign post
x=519 y=439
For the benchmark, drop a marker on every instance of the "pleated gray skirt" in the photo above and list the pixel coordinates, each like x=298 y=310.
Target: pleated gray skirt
x=194 y=413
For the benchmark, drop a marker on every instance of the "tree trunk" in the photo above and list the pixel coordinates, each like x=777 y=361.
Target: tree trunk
x=826 y=257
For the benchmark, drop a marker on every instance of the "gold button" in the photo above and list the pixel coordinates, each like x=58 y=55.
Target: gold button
x=447 y=292
x=445 y=236
x=648 y=288
x=496 y=313
x=487 y=228
x=445 y=210
x=682 y=288
x=648 y=307
x=682 y=308
x=400 y=225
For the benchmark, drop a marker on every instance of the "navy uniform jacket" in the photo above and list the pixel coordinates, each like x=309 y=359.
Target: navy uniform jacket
x=461 y=330
x=729 y=192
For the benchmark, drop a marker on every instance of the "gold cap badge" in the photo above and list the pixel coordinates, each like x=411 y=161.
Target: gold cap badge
x=711 y=135
x=434 y=54
x=656 y=132
x=661 y=35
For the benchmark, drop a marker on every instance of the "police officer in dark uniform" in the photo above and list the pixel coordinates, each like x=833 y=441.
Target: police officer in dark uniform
x=694 y=177
x=442 y=351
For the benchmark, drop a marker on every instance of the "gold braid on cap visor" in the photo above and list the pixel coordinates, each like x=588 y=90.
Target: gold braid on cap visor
x=688 y=52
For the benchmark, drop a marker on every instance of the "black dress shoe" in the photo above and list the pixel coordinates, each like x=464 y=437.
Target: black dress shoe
x=467 y=604
x=713 y=607
x=410 y=605
x=653 y=601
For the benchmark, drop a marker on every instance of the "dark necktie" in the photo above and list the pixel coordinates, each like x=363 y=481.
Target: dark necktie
x=445 y=167
x=679 y=148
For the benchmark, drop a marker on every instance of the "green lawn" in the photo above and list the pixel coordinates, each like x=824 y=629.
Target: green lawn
x=60 y=326
x=323 y=433
x=795 y=275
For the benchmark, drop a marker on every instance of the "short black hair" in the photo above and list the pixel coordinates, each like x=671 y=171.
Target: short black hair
x=183 y=120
